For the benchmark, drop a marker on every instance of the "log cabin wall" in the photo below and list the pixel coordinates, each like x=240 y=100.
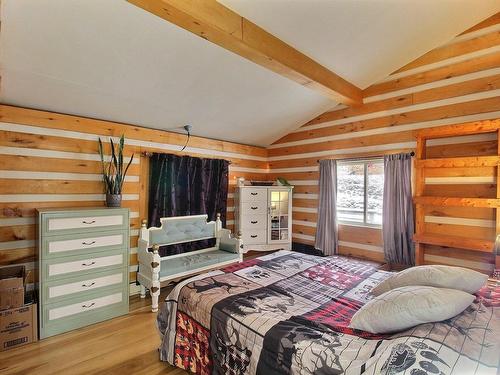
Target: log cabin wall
x=455 y=83
x=51 y=160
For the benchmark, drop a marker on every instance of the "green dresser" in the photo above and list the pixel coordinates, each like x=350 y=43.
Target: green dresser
x=83 y=267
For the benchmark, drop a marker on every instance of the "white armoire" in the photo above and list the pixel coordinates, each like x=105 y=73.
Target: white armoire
x=263 y=217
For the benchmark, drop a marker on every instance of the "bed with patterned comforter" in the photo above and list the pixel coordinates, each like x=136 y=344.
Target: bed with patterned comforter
x=289 y=313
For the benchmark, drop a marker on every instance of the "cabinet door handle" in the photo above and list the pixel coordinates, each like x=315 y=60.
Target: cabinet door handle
x=89 y=285
x=87 y=306
x=254 y=208
x=253 y=236
x=254 y=222
x=88 y=222
x=88 y=264
x=254 y=193
x=88 y=243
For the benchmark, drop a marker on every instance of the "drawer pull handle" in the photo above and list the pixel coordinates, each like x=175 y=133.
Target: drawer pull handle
x=88 y=222
x=88 y=286
x=254 y=193
x=88 y=264
x=254 y=208
x=88 y=243
x=88 y=306
x=254 y=222
x=253 y=236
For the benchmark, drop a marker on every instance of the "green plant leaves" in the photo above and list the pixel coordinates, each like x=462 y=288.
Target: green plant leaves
x=112 y=171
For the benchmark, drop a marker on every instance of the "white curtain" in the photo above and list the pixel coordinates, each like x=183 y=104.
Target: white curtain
x=326 y=226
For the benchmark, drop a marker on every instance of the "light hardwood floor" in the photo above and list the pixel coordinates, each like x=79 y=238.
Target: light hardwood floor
x=124 y=345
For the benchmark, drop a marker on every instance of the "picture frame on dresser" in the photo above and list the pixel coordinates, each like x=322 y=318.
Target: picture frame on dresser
x=263 y=217
x=83 y=267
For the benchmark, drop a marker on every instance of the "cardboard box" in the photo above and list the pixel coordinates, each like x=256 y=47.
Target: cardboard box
x=12 y=287
x=18 y=326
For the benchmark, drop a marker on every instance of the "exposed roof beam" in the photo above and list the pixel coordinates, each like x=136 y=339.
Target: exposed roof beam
x=220 y=25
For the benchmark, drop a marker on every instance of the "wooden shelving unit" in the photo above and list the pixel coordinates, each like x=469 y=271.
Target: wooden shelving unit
x=455 y=241
x=422 y=238
x=458 y=202
x=474 y=161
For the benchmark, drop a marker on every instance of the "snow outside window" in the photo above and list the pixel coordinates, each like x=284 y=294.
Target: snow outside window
x=360 y=191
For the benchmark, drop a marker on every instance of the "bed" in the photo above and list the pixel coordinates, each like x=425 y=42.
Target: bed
x=289 y=313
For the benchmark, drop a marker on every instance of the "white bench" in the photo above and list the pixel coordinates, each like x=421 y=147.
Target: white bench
x=155 y=269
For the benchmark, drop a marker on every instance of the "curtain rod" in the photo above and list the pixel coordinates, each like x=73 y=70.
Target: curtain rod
x=149 y=154
x=412 y=153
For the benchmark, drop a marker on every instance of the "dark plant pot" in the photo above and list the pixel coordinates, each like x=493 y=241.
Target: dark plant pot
x=113 y=200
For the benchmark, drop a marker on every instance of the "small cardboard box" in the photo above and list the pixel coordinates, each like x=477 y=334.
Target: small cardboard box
x=18 y=326
x=12 y=287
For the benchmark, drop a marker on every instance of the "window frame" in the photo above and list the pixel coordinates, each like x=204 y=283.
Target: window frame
x=363 y=161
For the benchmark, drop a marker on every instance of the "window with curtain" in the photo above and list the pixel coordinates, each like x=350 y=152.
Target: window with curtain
x=360 y=191
x=185 y=185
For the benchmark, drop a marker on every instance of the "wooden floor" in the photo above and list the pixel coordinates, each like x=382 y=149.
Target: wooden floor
x=125 y=345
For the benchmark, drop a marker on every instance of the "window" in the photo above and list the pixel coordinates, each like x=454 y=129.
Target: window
x=360 y=191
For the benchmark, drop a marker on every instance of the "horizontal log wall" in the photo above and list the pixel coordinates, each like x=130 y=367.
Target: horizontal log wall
x=51 y=160
x=456 y=83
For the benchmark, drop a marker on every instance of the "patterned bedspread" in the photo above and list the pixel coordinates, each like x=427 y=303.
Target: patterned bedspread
x=289 y=313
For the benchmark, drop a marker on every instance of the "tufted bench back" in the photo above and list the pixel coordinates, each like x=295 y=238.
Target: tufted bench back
x=175 y=230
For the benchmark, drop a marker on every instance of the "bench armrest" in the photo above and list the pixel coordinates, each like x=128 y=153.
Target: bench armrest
x=229 y=243
x=143 y=255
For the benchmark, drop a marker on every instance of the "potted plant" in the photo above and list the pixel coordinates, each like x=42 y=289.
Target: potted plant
x=113 y=173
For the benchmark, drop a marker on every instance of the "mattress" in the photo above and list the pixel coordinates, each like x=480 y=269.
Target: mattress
x=289 y=313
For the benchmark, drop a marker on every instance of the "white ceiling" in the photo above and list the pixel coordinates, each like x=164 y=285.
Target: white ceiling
x=364 y=41
x=114 y=61
x=111 y=60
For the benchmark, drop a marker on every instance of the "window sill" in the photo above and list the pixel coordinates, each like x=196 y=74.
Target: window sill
x=361 y=225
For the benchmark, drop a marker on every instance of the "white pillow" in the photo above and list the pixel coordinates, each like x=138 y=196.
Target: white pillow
x=406 y=307
x=434 y=275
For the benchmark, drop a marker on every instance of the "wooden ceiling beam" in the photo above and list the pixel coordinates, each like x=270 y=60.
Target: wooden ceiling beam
x=220 y=25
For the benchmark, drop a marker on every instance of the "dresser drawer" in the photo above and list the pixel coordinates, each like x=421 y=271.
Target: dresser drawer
x=74 y=313
x=57 y=246
x=252 y=222
x=84 y=285
x=255 y=208
x=54 y=313
x=253 y=195
x=250 y=236
x=64 y=267
x=84 y=221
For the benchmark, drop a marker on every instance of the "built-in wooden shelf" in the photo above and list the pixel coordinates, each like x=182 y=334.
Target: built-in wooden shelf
x=455 y=241
x=475 y=161
x=457 y=202
x=469 y=128
x=422 y=166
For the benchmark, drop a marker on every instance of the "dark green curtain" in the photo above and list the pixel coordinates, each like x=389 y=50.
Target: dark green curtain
x=185 y=185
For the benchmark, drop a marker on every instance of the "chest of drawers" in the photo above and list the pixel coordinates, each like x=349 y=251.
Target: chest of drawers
x=263 y=217
x=82 y=267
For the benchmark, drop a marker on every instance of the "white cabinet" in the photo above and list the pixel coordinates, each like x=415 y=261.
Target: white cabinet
x=263 y=217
